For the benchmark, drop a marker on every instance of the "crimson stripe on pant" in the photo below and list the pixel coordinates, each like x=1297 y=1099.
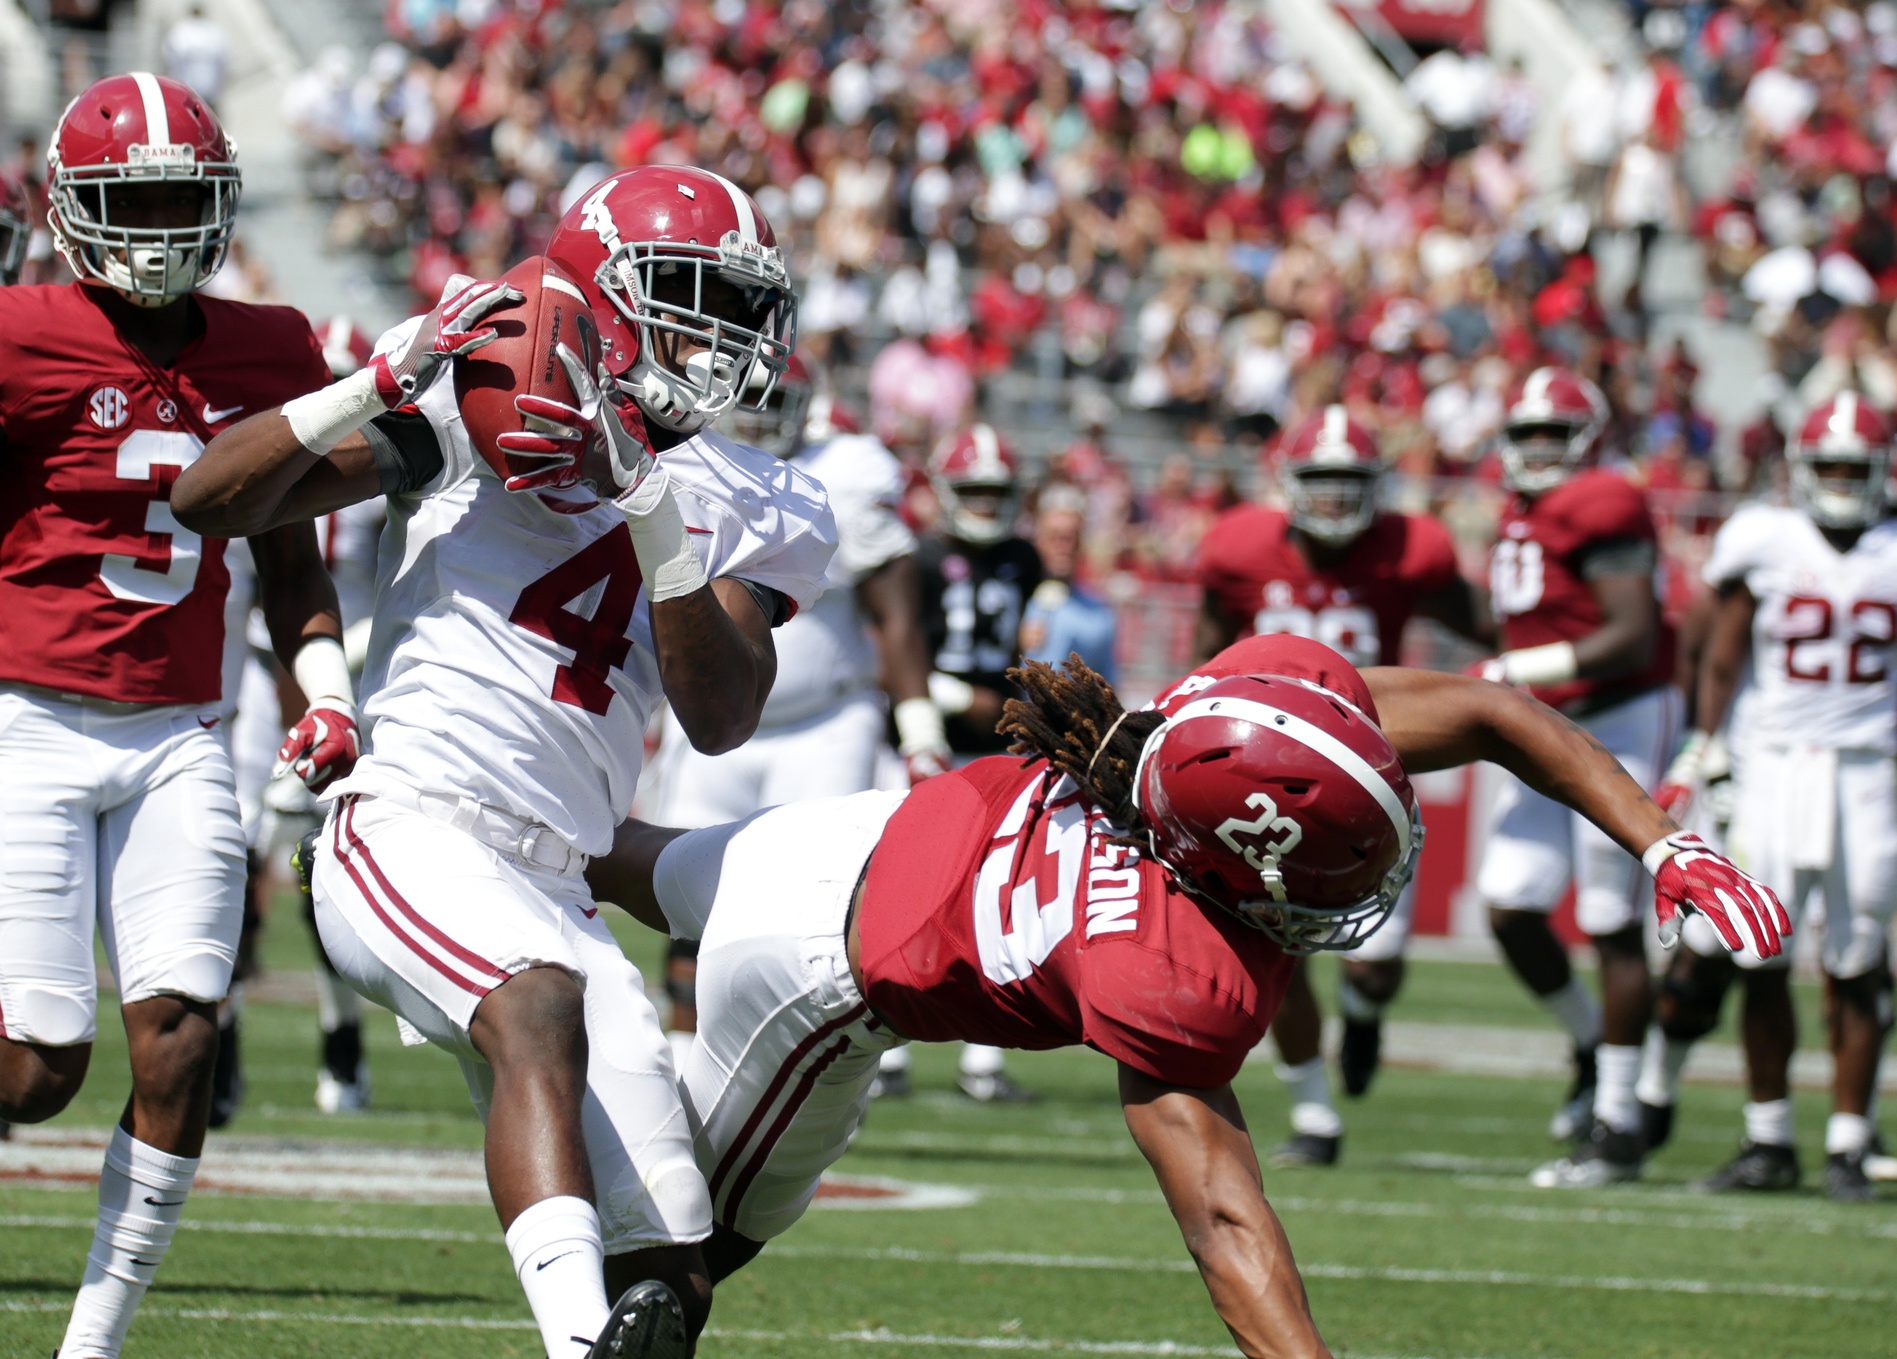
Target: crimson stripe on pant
x=797 y=1054
x=770 y=1140
x=402 y=935
x=473 y=960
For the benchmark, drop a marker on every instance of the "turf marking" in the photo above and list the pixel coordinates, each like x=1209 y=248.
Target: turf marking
x=1605 y=1283
x=880 y=1336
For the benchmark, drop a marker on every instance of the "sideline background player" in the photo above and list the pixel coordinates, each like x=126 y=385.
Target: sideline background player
x=1337 y=568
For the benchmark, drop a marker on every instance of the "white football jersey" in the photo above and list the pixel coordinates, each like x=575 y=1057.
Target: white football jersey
x=1823 y=633
x=825 y=653
x=348 y=539
x=511 y=660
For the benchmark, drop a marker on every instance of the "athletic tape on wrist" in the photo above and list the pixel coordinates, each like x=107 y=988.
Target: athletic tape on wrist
x=659 y=539
x=1665 y=848
x=322 y=671
x=950 y=693
x=1537 y=667
x=919 y=726
x=324 y=418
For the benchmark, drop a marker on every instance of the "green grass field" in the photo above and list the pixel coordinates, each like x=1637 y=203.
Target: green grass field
x=1425 y=1242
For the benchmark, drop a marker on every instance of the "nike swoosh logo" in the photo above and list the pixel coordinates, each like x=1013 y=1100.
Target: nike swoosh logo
x=211 y=417
x=149 y=1264
x=164 y=1203
x=707 y=532
x=589 y=914
x=561 y=1256
x=207 y=725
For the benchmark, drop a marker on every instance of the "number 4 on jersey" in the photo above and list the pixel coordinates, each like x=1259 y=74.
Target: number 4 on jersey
x=585 y=604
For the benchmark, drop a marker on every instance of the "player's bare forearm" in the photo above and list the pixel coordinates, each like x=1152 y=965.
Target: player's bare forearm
x=1197 y=1144
x=623 y=876
x=294 y=589
x=1215 y=629
x=716 y=663
x=891 y=597
x=256 y=475
x=1439 y=721
x=1728 y=646
x=1629 y=630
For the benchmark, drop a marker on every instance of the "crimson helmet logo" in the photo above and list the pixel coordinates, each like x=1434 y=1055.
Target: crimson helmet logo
x=109 y=408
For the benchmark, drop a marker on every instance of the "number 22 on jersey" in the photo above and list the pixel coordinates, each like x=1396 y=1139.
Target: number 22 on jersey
x=585 y=604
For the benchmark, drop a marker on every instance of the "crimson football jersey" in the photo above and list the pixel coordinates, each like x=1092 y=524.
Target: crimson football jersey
x=1538 y=586
x=102 y=592
x=1357 y=607
x=995 y=909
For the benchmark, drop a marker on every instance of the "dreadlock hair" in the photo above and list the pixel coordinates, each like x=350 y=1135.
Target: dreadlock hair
x=1065 y=717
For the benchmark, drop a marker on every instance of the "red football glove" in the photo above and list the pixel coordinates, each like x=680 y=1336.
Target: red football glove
x=557 y=435
x=323 y=746
x=1677 y=786
x=447 y=332
x=926 y=764
x=1689 y=876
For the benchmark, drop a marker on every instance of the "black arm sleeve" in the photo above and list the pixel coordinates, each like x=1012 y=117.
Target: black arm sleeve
x=773 y=604
x=1617 y=557
x=407 y=455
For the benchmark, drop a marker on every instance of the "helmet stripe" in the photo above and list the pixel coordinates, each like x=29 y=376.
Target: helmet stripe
x=740 y=204
x=1844 y=416
x=1316 y=738
x=1336 y=425
x=337 y=334
x=157 y=121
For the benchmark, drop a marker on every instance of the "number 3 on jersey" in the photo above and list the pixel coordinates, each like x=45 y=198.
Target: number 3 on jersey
x=585 y=604
x=1515 y=576
x=137 y=579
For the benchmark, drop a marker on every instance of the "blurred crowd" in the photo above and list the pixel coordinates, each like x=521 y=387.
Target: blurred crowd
x=1157 y=208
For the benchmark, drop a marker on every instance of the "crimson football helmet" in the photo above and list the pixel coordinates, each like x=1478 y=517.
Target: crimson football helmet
x=139 y=130
x=16 y=229
x=345 y=348
x=1332 y=471
x=691 y=293
x=973 y=476
x=1283 y=804
x=776 y=423
x=1850 y=440
x=1553 y=427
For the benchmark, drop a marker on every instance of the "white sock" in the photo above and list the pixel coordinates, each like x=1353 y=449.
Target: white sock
x=1769 y=1123
x=1578 y=1013
x=557 y=1255
x=1355 y=1005
x=1618 y=1065
x=1847 y=1134
x=978 y=1059
x=1311 y=1109
x=1662 y=1063
x=141 y=1197
x=896 y=1059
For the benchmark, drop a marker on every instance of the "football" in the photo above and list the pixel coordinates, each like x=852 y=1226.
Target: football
x=553 y=311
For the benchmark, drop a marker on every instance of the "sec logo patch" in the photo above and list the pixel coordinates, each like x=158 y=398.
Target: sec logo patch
x=109 y=408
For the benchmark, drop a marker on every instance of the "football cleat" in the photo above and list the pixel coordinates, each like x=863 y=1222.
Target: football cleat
x=995 y=1089
x=1360 y=1054
x=1656 y=1125
x=646 y=1323
x=1845 y=1179
x=335 y=1096
x=1307 y=1149
x=1759 y=1165
x=1576 y=1112
x=1605 y=1157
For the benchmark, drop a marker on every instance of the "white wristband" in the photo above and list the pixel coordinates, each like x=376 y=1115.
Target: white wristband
x=951 y=695
x=1537 y=667
x=324 y=418
x=666 y=559
x=322 y=671
x=919 y=726
x=1665 y=848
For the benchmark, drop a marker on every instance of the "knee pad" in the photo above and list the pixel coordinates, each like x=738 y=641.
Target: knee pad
x=1689 y=1007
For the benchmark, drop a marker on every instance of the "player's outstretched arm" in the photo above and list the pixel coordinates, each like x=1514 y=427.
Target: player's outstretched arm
x=1438 y=721
x=623 y=875
x=891 y=598
x=1197 y=1144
